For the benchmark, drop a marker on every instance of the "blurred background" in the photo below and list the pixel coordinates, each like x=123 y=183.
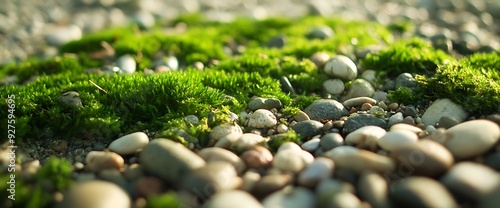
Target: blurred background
x=37 y=27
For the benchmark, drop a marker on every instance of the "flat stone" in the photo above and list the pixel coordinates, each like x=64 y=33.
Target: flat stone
x=365 y=137
x=355 y=122
x=326 y=109
x=443 y=107
x=359 y=88
x=231 y=199
x=333 y=86
x=211 y=154
x=308 y=128
x=129 y=143
x=359 y=160
x=358 y=101
x=471 y=138
x=341 y=67
x=422 y=158
x=169 y=160
x=271 y=183
x=373 y=188
x=100 y=160
x=293 y=197
x=214 y=177
x=96 y=194
x=394 y=140
x=471 y=181
x=264 y=103
x=418 y=191
x=405 y=127
x=262 y=118
x=330 y=141
x=321 y=168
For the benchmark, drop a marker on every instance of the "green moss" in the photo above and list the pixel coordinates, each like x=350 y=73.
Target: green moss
x=279 y=139
x=92 y=42
x=403 y=95
x=169 y=199
x=58 y=171
x=413 y=56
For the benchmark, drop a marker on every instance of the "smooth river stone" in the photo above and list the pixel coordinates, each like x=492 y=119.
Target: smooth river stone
x=223 y=130
x=210 y=179
x=129 y=143
x=326 y=109
x=443 y=107
x=96 y=194
x=247 y=141
x=394 y=140
x=423 y=158
x=271 y=183
x=169 y=160
x=100 y=160
x=365 y=137
x=290 y=197
x=359 y=160
x=358 y=101
x=262 y=118
x=321 y=168
x=471 y=181
x=211 y=154
x=418 y=191
x=232 y=199
x=471 y=138
x=373 y=188
x=291 y=160
x=257 y=157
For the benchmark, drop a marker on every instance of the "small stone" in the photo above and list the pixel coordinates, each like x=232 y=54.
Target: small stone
x=308 y=128
x=411 y=111
x=148 y=186
x=405 y=127
x=290 y=145
x=231 y=199
x=377 y=111
x=263 y=103
x=311 y=145
x=249 y=178
x=130 y=143
x=258 y=157
x=60 y=145
x=126 y=63
x=422 y=158
x=359 y=88
x=71 y=98
x=358 y=101
x=321 y=32
x=366 y=107
x=326 y=109
x=333 y=86
x=382 y=105
x=177 y=160
x=291 y=160
x=493 y=161
x=396 y=118
x=359 y=160
x=330 y=141
x=394 y=140
x=301 y=116
x=341 y=199
x=211 y=154
x=293 y=197
x=99 y=160
x=321 y=168
x=144 y=19
x=357 y=121
x=271 y=183
x=225 y=130
x=380 y=96
x=408 y=120
x=320 y=59
x=370 y=76
x=471 y=181
x=420 y=192
x=214 y=177
x=406 y=80
x=95 y=194
x=277 y=42
x=373 y=188
x=282 y=128
x=446 y=122
x=365 y=137
x=262 y=119
x=193 y=119
x=471 y=138
x=341 y=67
x=443 y=107
x=393 y=106
x=247 y=141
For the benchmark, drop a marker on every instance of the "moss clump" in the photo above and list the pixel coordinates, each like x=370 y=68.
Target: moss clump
x=169 y=199
x=403 y=95
x=413 y=56
x=279 y=139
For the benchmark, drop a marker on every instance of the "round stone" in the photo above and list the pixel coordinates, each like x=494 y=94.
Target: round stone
x=247 y=141
x=359 y=160
x=443 y=107
x=263 y=103
x=471 y=138
x=224 y=130
x=271 y=183
x=396 y=118
x=311 y=145
x=214 y=177
x=169 y=160
x=291 y=160
x=357 y=121
x=406 y=80
x=359 y=88
x=471 y=181
x=341 y=67
x=277 y=42
x=231 y=199
x=96 y=194
x=257 y=157
x=292 y=197
x=129 y=143
x=301 y=116
x=193 y=119
x=321 y=32
x=321 y=168
x=420 y=192
x=126 y=63
x=211 y=154
x=262 y=118
x=341 y=199
x=358 y=101
x=308 y=128
x=333 y=86
x=373 y=188
x=365 y=137
x=422 y=158
x=370 y=76
x=394 y=140
x=330 y=141
x=405 y=127
x=320 y=58
x=326 y=109
x=100 y=160
x=71 y=98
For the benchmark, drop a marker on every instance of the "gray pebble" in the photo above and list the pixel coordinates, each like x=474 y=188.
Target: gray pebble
x=373 y=188
x=333 y=86
x=126 y=63
x=330 y=141
x=311 y=145
x=359 y=88
x=290 y=197
x=277 y=42
x=410 y=110
x=405 y=80
x=308 y=128
x=443 y=107
x=357 y=121
x=321 y=32
x=380 y=96
x=447 y=122
x=263 y=103
x=193 y=119
x=341 y=67
x=325 y=109
x=358 y=101
x=396 y=118
x=214 y=177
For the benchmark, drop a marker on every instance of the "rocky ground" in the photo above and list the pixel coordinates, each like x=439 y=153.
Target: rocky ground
x=362 y=150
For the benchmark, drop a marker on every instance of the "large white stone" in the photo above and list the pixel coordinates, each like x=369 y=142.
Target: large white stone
x=341 y=67
x=129 y=143
x=443 y=107
x=262 y=118
x=471 y=138
x=366 y=136
x=394 y=140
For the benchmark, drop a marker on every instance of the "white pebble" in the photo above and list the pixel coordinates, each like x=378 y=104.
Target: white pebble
x=262 y=118
x=129 y=143
x=394 y=140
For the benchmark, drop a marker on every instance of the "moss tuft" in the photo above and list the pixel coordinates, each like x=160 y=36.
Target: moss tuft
x=279 y=139
x=169 y=199
x=403 y=95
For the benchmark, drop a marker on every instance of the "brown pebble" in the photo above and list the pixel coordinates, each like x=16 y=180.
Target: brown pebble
x=271 y=183
x=409 y=120
x=60 y=145
x=382 y=105
x=100 y=160
x=393 y=106
x=148 y=186
x=366 y=106
x=257 y=157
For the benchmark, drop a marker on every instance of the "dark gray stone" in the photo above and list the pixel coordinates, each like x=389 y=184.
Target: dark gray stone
x=447 y=122
x=410 y=110
x=264 y=103
x=308 y=128
x=276 y=42
x=406 y=80
x=357 y=121
x=493 y=161
x=286 y=86
x=321 y=32
x=330 y=141
x=325 y=109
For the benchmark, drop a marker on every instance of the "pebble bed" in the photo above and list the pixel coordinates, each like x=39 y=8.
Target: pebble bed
x=361 y=150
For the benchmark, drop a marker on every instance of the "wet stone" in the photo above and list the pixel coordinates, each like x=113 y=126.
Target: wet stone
x=355 y=122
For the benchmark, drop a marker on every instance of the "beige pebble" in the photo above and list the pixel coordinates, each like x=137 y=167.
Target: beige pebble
x=471 y=138
x=271 y=183
x=218 y=154
x=394 y=140
x=225 y=129
x=257 y=157
x=262 y=118
x=96 y=194
x=129 y=143
x=301 y=116
x=359 y=160
x=247 y=141
x=100 y=160
x=250 y=178
x=365 y=137
x=407 y=127
x=393 y=106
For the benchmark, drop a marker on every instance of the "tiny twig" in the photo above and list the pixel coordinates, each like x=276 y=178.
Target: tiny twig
x=100 y=88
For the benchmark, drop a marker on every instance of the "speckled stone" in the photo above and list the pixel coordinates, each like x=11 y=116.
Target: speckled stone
x=326 y=109
x=341 y=67
x=333 y=86
x=262 y=118
x=71 y=98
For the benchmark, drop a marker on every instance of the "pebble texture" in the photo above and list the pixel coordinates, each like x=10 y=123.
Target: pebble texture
x=341 y=67
x=231 y=199
x=443 y=107
x=325 y=109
